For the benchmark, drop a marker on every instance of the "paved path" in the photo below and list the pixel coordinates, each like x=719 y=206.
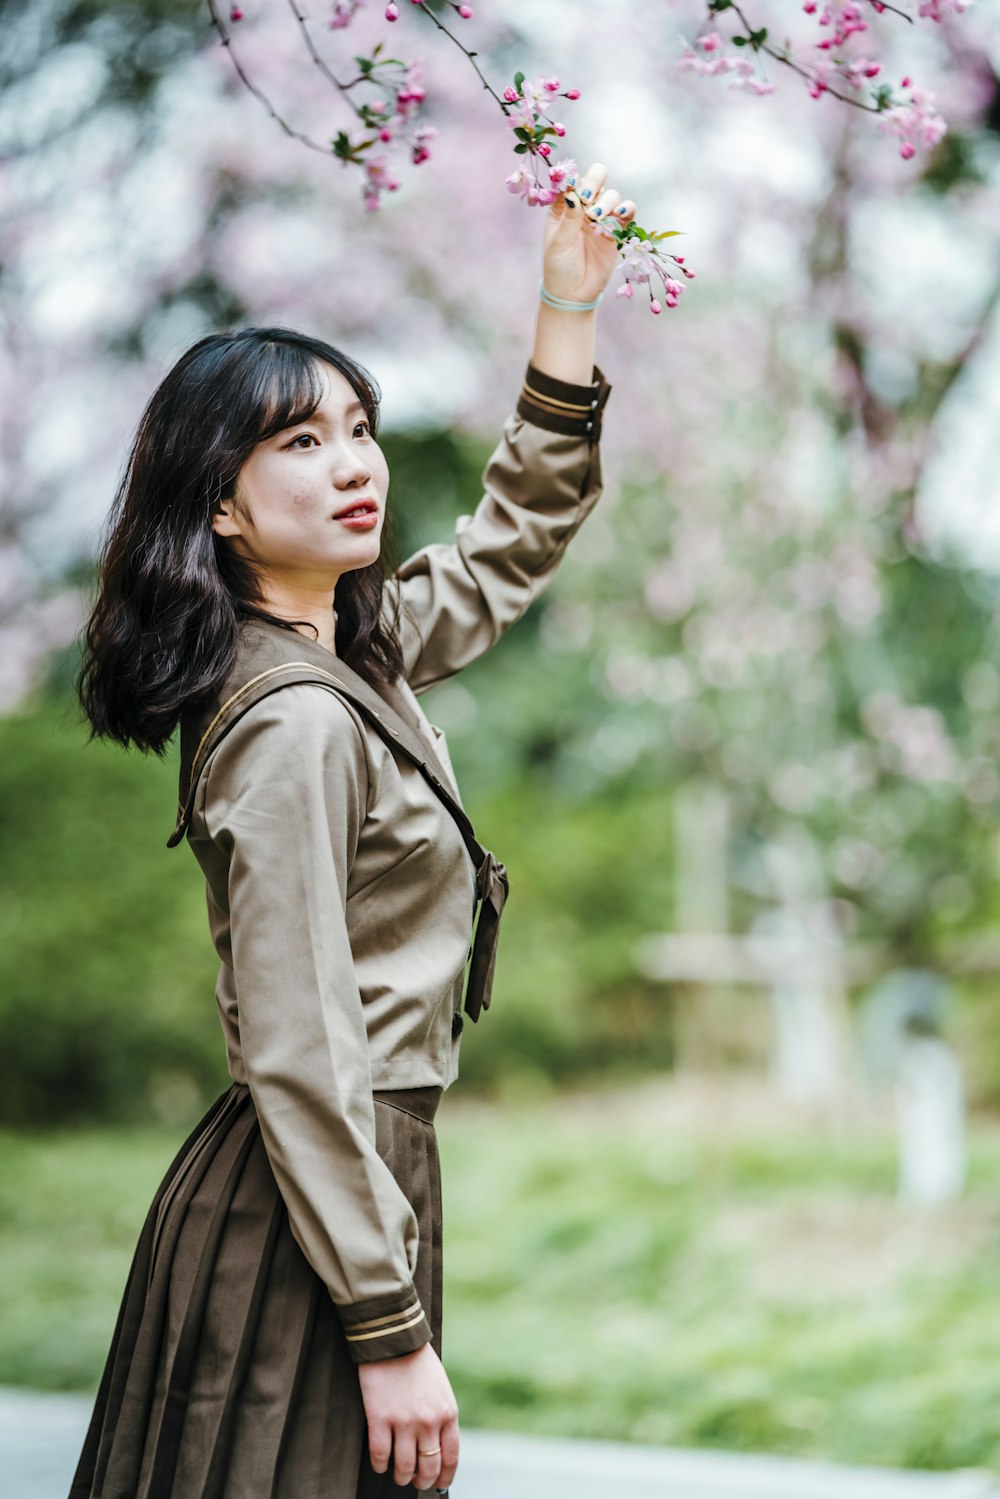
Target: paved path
x=40 y=1437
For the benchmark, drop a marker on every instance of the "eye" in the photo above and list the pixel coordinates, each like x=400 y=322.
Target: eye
x=302 y=439
x=365 y=425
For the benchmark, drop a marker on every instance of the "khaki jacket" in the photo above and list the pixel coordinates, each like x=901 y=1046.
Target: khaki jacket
x=340 y=890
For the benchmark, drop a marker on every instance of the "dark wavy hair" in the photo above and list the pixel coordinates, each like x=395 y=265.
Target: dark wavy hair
x=171 y=594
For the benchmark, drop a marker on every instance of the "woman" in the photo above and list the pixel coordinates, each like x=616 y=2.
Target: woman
x=280 y=1333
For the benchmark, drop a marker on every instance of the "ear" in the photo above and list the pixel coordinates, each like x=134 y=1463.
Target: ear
x=224 y=522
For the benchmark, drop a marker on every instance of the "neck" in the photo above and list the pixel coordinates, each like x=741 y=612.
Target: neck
x=303 y=606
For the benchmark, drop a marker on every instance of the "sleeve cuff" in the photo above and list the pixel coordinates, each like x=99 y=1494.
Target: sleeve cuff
x=385 y=1327
x=560 y=406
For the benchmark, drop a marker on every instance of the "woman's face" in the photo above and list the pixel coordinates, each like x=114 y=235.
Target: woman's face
x=295 y=492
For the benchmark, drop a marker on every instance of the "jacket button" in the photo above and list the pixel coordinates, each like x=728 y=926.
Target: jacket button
x=457 y=1023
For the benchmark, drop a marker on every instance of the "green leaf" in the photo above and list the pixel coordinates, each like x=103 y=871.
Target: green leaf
x=666 y=234
x=518 y=80
x=377 y=49
x=759 y=37
x=520 y=150
x=522 y=134
x=740 y=41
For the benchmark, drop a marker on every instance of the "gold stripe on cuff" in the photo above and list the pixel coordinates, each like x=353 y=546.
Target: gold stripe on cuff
x=414 y=1306
x=540 y=399
x=385 y=1332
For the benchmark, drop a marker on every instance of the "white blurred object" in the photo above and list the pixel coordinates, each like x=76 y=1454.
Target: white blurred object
x=931 y=1114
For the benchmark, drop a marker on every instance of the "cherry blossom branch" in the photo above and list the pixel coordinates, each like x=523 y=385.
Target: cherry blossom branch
x=911 y=118
x=320 y=61
x=470 y=55
x=789 y=62
x=258 y=93
x=524 y=105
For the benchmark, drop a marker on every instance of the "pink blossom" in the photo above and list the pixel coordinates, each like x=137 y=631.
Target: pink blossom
x=343 y=13
x=552 y=84
x=560 y=170
x=914 y=123
x=379 y=173
x=235 y=14
x=855 y=73
x=625 y=290
x=391 y=14
x=521 y=119
x=465 y=11
x=936 y=10
x=511 y=94
x=572 y=93
x=654 y=306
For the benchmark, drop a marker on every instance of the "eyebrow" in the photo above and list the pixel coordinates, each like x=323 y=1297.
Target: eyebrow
x=306 y=420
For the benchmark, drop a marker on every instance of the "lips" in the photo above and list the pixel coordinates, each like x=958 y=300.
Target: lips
x=359 y=507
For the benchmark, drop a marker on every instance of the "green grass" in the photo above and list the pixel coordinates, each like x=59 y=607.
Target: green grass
x=680 y=1264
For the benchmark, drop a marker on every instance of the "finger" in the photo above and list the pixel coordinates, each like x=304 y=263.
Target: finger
x=449 y=1452
x=428 y=1458
x=379 y=1444
x=603 y=206
x=592 y=182
x=625 y=210
x=405 y=1451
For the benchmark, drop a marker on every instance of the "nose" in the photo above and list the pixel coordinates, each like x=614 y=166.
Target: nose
x=350 y=468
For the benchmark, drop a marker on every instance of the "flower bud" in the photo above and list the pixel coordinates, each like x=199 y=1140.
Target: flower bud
x=465 y=11
x=572 y=93
x=654 y=306
x=511 y=94
x=235 y=14
x=392 y=11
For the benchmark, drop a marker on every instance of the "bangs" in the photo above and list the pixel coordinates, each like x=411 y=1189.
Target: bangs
x=283 y=385
x=287 y=391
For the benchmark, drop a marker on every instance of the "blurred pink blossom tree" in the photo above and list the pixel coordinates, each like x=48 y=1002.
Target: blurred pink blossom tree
x=756 y=600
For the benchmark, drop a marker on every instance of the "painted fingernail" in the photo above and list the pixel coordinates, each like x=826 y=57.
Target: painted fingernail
x=570 y=182
x=598 y=212
x=586 y=192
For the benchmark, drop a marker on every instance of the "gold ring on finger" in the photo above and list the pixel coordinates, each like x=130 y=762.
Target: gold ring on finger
x=430 y=1451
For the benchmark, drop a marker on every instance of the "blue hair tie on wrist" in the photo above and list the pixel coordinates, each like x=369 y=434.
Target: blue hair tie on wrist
x=552 y=301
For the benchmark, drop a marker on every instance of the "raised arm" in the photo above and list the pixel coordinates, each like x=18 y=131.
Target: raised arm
x=544 y=477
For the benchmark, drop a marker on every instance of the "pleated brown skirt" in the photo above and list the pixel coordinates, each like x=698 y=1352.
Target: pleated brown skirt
x=228 y=1375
